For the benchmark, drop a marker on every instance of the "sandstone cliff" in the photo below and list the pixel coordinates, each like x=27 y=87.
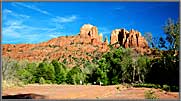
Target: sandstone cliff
x=129 y=39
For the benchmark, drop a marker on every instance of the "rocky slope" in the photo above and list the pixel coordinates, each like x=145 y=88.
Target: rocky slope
x=84 y=46
x=88 y=44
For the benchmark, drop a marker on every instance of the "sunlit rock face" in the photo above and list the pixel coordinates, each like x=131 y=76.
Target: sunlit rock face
x=128 y=39
x=131 y=39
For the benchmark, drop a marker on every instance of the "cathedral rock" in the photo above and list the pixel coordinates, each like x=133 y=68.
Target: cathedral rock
x=128 y=39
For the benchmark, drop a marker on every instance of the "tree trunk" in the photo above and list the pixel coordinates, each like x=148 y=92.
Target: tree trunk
x=133 y=72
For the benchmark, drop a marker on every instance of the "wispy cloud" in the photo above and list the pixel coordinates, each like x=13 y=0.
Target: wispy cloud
x=19 y=31
x=7 y=11
x=32 y=7
x=65 y=19
x=17 y=26
x=57 y=19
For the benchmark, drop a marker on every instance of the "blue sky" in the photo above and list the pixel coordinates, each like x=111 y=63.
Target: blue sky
x=34 y=22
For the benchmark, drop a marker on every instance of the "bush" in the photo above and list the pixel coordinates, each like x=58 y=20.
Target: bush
x=150 y=94
x=166 y=87
x=42 y=80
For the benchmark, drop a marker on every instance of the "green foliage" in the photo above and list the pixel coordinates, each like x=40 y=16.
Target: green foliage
x=172 y=30
x=166 y=87
x=114 y=67
x=42 y=80
x=75 y=76
x=150 y=94
x=60 y=72
x=162 y=43
x=147 y=85
x=142 y=67
x=46 y=71
x=27 y=74
x=165 y=67
x=99 y=76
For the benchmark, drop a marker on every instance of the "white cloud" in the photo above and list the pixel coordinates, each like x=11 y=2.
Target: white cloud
x=33 y=8
x=64 y=19
x=10 y=12
x=57 y=19
x=19 y=31
x=15 y=26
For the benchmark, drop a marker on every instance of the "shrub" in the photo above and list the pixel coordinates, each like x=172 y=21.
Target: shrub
x=150 y=94
x=166 y=87
x=147 y=85
x=42 y=80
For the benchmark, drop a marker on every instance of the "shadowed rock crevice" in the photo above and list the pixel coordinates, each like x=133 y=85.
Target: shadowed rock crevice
x=120 y=38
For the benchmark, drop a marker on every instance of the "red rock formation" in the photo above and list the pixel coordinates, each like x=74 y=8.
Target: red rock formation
x=132 y=39
x=90 y=31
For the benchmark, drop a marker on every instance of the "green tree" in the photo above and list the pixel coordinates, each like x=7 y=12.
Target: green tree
x=46 y=71
x=167 y=66
x=115 y=67
x=142 y=69
x=172 y=30
x=60 y=72
x=27 y=74
x=100 y=74
x=75 y=76
x=162 y=43
x=127 y=68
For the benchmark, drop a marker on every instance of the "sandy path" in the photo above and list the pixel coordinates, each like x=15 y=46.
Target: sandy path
x=86 y=92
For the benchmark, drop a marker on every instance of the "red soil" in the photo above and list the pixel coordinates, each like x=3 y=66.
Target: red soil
x=86 y=92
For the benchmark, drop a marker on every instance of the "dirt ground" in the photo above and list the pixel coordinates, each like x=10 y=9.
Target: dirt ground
x=36 y=91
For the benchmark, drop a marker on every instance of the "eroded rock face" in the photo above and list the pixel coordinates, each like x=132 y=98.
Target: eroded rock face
x=128 y=39
x=89 y=33
x=88 y=30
